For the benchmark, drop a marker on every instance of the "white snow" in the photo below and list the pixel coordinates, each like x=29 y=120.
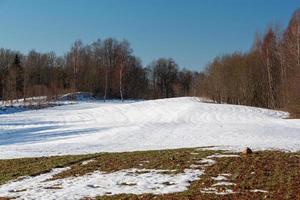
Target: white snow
x=88 y=127
x=226 y=174
x=258 y=190
x=193 y=166
x=98 y=183
x=206 y=162
x=87 y=162
x=128 y=181
x=33 y=103
x=223 y=183
x=78 y=96
x=216 y=192
x=219 y=178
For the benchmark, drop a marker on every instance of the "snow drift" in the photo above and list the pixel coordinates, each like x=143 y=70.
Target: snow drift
x=88 y=127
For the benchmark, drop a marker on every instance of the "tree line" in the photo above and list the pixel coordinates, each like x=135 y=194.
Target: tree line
x=107 y=68
x=268 y=75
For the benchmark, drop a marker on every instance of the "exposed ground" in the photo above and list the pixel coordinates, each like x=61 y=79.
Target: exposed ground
x=261 y=175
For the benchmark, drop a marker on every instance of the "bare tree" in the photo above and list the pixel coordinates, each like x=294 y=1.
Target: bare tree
x=75 y=59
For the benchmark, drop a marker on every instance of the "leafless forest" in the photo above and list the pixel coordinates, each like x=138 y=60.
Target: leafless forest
x=268 y=75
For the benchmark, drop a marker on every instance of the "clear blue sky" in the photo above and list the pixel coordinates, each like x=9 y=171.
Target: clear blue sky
x=190 y=31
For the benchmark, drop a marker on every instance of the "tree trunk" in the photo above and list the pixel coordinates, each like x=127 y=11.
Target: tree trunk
x=121 y=77
x=106 y=83
x=271 y=96
x=298 y=45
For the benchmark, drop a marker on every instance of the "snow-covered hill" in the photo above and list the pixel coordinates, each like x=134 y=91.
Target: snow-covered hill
x=158 y=124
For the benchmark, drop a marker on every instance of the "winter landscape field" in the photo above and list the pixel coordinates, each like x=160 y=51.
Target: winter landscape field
x=95 y=126
x=190 y=136
x=149 y=100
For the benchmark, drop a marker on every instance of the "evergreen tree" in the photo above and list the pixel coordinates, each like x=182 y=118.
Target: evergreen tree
x=19 y=76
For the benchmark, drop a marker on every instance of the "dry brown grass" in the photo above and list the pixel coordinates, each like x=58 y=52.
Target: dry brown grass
x=274 y=171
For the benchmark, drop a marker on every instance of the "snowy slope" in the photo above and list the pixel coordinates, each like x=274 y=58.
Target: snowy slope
x=168 y=123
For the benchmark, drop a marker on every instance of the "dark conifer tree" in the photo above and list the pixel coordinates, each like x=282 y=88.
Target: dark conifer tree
x=19 y=76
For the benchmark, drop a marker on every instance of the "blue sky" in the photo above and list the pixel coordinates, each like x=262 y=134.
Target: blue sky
x=192 y=32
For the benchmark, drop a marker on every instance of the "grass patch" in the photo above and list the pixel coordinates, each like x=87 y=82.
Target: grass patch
x=15 y=168
x=175 y=160
x=273 y=171
x=276 y=172
x=178 y=160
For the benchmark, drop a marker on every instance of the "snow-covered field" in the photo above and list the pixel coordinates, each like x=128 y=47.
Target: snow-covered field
x=134 y=181
x=88 y=127
x=127 y=181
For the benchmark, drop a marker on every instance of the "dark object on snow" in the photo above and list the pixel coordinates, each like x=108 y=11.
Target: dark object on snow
x=247 y=151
